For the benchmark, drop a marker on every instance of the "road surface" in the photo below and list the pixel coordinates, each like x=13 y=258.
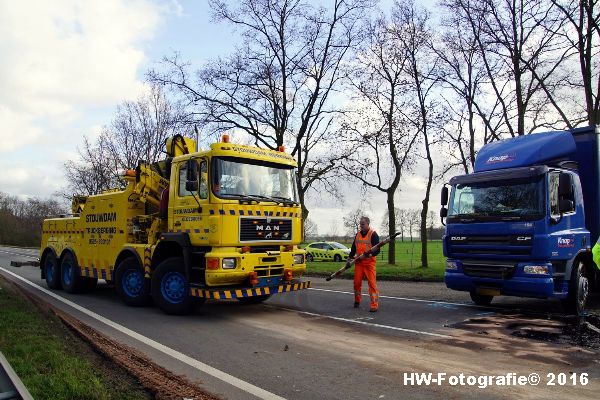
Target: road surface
x=314 y=344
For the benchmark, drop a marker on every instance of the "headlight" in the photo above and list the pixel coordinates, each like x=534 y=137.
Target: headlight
x=536 y=269
x=451 y=265
x=229 y=263
x=298 y=258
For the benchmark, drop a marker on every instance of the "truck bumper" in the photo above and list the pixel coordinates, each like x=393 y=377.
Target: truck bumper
x=537 y=287
x=234 y=293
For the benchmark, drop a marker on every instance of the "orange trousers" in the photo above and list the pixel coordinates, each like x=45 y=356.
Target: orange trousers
x=366 y=271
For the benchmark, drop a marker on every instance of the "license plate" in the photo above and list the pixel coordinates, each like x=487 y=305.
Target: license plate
x=488 y=291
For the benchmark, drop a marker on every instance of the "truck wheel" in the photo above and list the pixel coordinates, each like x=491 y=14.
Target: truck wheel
x=131 y=285
x=70 y=279
x=170 y=288
x=254 y=299
x=309 y=257
x=481 y=299
x=52 y=271
x=578 y=290
x=337 y=258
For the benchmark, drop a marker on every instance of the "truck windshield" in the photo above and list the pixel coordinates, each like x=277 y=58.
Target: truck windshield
x=252 y=180
x=518 y=199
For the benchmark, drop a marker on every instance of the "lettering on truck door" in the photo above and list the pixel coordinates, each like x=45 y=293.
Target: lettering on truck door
x=186 y=216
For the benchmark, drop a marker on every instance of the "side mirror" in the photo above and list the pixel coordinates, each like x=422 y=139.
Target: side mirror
x=565 y=187
x=444 y=198
x=566 y=205
x=191 y=175
x=443 y=214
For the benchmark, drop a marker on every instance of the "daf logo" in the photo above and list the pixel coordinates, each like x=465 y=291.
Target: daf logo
x=458 y=238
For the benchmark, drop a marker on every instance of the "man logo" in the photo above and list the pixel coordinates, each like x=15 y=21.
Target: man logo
x=523 y=238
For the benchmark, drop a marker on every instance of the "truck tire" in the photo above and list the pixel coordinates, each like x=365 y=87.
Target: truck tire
x=52 y=271
x=131 y=285
x=481 y=299
x=254 y=299
x=578 y=290
x=70 y=277
x=170 y=288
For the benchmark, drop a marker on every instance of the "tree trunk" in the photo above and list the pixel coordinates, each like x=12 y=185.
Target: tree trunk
x=392 y=227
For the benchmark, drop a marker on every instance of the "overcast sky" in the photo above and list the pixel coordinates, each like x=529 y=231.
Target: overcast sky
x=67 y=64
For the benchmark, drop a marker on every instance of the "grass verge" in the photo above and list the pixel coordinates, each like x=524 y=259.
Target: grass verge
x=51 y=361
x=408 y=264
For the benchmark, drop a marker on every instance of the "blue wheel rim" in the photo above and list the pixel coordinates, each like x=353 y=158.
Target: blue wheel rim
x=173 y=287
x=132 y=282
x=50 y=269
x=66 y=271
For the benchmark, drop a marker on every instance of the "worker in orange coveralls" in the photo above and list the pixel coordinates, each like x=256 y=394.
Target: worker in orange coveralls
x=364 y=240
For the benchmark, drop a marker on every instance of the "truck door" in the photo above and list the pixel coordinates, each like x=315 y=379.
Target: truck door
x=189 y=208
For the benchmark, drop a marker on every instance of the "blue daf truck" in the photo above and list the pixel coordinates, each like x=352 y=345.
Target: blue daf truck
x=526 y=221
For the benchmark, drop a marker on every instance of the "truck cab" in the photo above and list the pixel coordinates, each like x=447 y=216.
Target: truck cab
x=525 y=222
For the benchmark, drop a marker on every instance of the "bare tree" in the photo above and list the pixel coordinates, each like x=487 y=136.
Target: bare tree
x=138 y=132
x=21 y=220
x=352 y=221
x=378 y=129
x=521 y=58
x=140 y=129
x=385 y=221
x=310 y=229
x=402 y=222
x=413 y=222
x=277 y=86
x=94 y=172
x=410 y=29
x=583 y=19
x=468 y=108
x=431 y=222
x=333 y=230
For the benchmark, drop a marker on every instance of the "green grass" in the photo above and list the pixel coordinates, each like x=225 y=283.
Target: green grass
x=51 y=361
x=408 y=264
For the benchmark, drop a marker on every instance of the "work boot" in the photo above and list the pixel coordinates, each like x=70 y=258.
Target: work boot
x=356 y=304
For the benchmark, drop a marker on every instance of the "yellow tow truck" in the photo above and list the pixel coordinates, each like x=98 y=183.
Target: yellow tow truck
x=224 y=223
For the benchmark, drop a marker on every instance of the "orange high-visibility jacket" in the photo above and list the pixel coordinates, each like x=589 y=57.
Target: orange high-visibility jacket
x=363 y=244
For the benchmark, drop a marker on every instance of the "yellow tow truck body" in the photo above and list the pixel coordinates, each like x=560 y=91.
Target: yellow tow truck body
x=221 y=223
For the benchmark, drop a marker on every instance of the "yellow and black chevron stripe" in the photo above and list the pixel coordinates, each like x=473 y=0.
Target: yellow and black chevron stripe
x=92 y=272
x=250 y=211
x=234 y=294
x=147 y=262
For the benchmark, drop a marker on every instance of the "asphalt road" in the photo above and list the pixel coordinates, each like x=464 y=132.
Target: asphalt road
x=314 y=344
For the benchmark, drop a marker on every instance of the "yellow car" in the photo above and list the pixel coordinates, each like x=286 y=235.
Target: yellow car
x=326 y=251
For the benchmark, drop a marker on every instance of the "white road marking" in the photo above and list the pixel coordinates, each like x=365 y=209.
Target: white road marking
x=356 y=321
x=405 y=298
x=18 y=254
x=225 y=377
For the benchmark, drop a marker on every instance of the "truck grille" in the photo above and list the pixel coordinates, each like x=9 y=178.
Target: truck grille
x=265 y=229
x=485 y=270
x=507 y=245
